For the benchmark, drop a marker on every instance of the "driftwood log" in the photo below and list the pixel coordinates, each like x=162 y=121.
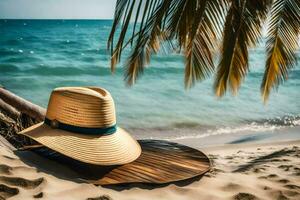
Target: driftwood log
x=17 y=114
x=9 y=110
x=22 y=105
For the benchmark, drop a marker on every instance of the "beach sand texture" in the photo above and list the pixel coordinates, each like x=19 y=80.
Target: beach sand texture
x=255 y=171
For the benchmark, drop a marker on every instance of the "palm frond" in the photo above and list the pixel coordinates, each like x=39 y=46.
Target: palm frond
x=148 y=39
x=241 y=31
x=201 y=38
x=145 y=39
x=194 y=24
x=282 y=42
x=120 y=8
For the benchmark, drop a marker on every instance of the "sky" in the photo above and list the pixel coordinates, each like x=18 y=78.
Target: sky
x=57 y=9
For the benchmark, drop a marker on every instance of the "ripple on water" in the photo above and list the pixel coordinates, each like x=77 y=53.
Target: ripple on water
x=6 y=67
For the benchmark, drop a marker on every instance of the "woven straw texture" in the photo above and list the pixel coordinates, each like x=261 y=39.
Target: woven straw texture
x=90 y=108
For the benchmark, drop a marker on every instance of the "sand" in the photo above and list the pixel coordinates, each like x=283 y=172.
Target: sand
x=240 y=171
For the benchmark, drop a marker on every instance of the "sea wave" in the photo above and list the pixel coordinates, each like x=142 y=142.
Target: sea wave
x=8 y=67
x=21 y=59
x=13 y=42
x=6 y=52
x=47 y=70
x=267 y=125
x=81 y=69
x=287 y=120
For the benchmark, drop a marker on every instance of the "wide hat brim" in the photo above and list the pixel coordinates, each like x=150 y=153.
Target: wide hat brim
x=114 y=149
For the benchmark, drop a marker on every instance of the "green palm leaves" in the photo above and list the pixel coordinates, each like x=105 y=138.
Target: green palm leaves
x=202 y=29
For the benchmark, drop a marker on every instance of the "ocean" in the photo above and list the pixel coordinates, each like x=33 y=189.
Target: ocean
x=38 y=55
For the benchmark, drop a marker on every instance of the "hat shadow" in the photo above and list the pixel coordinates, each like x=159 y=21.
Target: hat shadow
x=51 y=162
x=63 y=167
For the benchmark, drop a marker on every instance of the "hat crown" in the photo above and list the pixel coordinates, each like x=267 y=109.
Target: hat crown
x=88 y=107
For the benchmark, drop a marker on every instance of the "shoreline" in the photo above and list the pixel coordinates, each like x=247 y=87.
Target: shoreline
x=198 y=139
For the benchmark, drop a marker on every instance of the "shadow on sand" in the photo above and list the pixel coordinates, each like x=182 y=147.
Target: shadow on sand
x=263 y=159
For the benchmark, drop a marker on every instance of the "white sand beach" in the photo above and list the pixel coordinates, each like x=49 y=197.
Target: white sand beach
x=240 y=171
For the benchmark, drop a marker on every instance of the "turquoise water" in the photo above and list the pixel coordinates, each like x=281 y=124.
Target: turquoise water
x=39 y=55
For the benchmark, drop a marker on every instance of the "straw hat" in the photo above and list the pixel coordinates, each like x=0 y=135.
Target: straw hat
x=81 y=123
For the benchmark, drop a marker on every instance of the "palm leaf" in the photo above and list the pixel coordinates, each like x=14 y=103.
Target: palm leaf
x=144 y=39
x=242 y=30
x=148 y=39
x=282 y=43
x=126 y=21
x=192 y=23
x=120 y=8
x=202 y=37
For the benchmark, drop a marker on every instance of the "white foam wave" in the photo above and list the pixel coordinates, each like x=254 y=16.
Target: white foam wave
x=297 y=122
x=253 y=127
